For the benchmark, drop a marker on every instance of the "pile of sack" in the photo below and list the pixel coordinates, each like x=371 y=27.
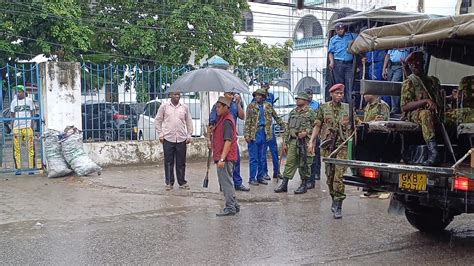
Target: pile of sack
x=65 y=154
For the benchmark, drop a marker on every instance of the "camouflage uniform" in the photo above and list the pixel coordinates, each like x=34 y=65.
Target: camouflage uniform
x=412 y=90
x=252 y=116
x=300 y=119
x=330 y=117
x=378 y=108
x=463 y=108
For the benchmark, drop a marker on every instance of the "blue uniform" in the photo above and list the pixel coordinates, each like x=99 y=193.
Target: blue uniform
x=212 y=120
x=374 y=68
x=256 y=149
x=342 y=61
x=316 y=165
x=395 y=73
x=272 y=145
x=338 y=46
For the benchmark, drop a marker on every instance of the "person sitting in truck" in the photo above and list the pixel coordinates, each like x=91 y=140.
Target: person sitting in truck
x=421 y=102
x=376 y=109
x=461 y=103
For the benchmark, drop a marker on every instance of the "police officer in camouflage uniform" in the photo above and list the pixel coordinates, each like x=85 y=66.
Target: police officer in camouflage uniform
x=332 y=124
x=258 y=130
x=421 y=102
x=295 y=141
x=462 y=107
x=376 y=109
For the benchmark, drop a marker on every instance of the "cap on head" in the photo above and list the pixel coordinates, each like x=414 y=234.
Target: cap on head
x=264 y=85
x=224 y=101
x=261 y=92
x=20 y=88
x=340 y=26
x=303 y=96
x=337 y=87
x=308 y=91
x=414 y=57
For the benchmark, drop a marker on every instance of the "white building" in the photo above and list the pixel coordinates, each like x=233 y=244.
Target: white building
x=309 y=28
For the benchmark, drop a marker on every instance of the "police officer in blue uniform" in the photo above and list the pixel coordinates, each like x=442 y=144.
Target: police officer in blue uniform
x=393 y=71
x=340 y=60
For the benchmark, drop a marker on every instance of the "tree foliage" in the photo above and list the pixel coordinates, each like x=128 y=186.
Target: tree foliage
x=254 y=53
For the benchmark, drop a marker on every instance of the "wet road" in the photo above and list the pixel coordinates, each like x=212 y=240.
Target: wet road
x=126 y=217
x=269 y=233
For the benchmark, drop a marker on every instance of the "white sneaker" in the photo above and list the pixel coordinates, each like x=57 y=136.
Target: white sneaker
x=168 y=187
x=185 y=186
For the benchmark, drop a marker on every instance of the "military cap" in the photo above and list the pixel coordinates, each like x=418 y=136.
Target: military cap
x=340 y=26
x=303 y=96
x=224 y=100
x=261 y=92
x=337 y=87
x=414 y=57
x=466 y=83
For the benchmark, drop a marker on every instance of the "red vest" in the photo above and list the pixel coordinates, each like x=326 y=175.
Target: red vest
x=218 y=139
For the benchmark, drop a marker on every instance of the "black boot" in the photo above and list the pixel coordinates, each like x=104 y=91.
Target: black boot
x=338 y=212
x=333 y=206
x=309 y=184
x=302 y=189
x=283 y=187
x=433 y=153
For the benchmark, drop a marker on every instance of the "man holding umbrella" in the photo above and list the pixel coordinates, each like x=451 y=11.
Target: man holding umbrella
x=258 y=130
x=237 y=111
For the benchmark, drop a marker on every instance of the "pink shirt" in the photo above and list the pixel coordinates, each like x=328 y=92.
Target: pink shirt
x=174 y=123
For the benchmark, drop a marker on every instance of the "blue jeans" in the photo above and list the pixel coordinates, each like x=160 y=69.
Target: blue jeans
x=257 y=156
x=316 y=165
x=395 y=73
x=272 y=144
x=343 y=74
x=236 y=174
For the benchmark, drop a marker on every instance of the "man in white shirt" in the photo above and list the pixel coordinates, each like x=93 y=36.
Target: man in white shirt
x=22 y=108
x=174 y=126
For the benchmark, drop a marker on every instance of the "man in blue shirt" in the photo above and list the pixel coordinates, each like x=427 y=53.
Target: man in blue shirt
x=316 y=165
x=271 y=144
x=340 y=60
x=393 y=71
x=237 y=111
x=374 y=62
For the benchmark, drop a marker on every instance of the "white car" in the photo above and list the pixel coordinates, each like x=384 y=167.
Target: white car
x=146 y=120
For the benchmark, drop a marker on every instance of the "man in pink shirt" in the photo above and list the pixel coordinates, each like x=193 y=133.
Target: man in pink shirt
x=174 y=126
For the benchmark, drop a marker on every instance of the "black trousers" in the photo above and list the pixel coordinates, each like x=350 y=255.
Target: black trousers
x=175 y=153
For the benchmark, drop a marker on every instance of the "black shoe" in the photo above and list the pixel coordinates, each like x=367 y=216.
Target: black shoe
x=278 y=176
x=253 y=183
x=302 y=189
x=242 y=188
x=333 y=206
x=262 y=181
x=283 y=187
x=309 y=184
x=237 y=208
x=225 y=213
x=267 y=177
x=317 y=177
x=433 y=153
x=338 y=212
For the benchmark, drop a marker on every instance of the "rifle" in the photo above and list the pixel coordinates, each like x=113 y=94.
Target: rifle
x=302 y=150
x=331 y=143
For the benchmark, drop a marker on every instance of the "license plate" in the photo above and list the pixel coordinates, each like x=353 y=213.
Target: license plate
x=135 y=129
x=412 y=181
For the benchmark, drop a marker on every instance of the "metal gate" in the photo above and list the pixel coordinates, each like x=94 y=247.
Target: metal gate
x=20 y=120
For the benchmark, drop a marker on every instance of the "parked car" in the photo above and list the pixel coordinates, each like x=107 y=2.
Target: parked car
x=146 y=121
x=101 y=121
x=128 y=113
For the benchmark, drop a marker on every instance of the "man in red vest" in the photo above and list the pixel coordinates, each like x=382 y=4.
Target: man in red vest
x=224 y=148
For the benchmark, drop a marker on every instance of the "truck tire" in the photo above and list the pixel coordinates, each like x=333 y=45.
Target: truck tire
x=429 y=221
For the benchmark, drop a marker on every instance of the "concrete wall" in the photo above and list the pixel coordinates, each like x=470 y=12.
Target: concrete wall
x=61 y=95
x=120 y=153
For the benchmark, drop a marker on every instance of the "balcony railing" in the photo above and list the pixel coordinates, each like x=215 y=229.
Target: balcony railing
x=311 y=2
x=309 y=42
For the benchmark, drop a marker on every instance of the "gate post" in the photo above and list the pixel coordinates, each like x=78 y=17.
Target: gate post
x=61 y=95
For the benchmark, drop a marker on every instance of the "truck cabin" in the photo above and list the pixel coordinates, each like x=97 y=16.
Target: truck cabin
x=447 y=43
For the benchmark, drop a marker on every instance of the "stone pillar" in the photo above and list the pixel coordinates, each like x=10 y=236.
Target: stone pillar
x=61 y=95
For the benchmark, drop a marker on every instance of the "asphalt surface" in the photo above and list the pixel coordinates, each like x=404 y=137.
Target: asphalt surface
x=92 y=221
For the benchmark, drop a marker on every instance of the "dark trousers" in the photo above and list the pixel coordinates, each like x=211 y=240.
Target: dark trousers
x=316 y=165
x=273 y=146
x=236 y=175
x=343 y=74
x=175 y=153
